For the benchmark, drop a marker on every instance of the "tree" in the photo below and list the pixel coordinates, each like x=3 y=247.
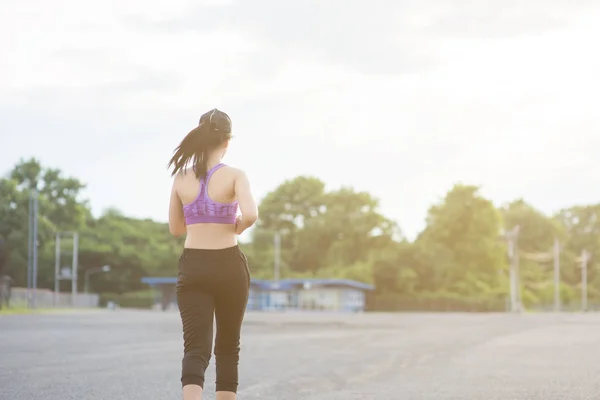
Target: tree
x=582 y=232
x=536 y=231
x=582 y=227
x=133 y=248
x=457 y=262
x=291 y=204
x=536 y=236
x=286 y=210
x=459 y=251
x=394 y=269
x=59 y=207
x=321 y=231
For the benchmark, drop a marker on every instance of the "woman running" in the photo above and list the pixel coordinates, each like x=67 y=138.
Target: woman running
x=213 y=276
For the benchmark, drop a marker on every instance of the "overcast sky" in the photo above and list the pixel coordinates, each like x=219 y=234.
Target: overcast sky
x=399 y=98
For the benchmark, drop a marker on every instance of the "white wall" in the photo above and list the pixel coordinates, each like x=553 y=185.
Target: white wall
x=353 y=300
x=325 y=298
x=45 y=299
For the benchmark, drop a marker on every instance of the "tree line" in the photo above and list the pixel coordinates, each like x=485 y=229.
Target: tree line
x=458 y=262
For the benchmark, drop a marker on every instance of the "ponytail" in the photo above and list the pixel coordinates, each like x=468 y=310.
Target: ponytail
x=198 y=143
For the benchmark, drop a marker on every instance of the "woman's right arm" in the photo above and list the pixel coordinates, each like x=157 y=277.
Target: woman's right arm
x=246 y=202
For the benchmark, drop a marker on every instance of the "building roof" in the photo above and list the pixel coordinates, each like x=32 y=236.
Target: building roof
x=168 y=280
x=155 y=280
x=284 y=284
x=306 y=283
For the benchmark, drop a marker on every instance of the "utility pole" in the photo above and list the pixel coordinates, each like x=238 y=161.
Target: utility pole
x=29 y=250
x=277 y=255
x=518 y=286
x=35 y=247
x=75 y=268
x=584 y=261
x=58 y=273
x=556 y=275
x=56 y=268
x=32 y=256
x=513 y=257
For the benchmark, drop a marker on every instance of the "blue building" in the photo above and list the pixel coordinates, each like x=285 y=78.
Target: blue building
x=288 y=294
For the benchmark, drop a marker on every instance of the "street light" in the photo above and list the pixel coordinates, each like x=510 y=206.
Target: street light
x=104 y=268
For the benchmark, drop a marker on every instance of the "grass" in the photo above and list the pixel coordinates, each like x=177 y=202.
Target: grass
x=21 y=310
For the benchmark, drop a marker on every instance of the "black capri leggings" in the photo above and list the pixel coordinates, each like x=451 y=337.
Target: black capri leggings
x=212 y=282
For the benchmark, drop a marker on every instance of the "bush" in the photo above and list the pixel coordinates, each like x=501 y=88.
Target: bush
x=138 y=299
x=106 y=297
x=437 y=302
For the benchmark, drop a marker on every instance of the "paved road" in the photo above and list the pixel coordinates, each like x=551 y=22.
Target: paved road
x=129 y=355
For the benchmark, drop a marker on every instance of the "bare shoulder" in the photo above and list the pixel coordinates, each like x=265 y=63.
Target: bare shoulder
x=236 y=172
x=187 y=173
x=181 y=176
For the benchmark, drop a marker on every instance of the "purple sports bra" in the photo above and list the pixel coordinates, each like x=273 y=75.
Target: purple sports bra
x=205 y=210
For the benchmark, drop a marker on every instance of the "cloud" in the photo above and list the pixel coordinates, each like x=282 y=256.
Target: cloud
x=402 y=99
x=124 y=76
x=381 y=37
x=373 y=39
x=500 y=19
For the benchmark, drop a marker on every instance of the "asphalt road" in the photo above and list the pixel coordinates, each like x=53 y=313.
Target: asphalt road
x=129 y=355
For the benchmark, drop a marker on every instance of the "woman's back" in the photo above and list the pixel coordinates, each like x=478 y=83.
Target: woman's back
x=220 y=189
x=205 y=198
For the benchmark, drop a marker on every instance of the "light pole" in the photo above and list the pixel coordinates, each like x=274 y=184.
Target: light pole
x=585 y=257
x=104 y=268
x=556 y=275
x=513 y=257
x=32 y=256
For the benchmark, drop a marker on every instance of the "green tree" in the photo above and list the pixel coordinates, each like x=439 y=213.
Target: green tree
x=286 y=210
x=134 y=248
x=458 y=262
x=321 y=231
x=395 y=269
x=459 y=251
x=536 y=238
x=59 y=207
x=582 y=228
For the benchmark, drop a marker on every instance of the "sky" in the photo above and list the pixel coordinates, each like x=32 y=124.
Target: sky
x=402 y=99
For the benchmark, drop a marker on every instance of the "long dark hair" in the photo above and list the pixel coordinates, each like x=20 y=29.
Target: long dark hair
x=213 y=130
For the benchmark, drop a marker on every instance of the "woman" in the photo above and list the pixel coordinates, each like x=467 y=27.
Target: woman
x=213 y=276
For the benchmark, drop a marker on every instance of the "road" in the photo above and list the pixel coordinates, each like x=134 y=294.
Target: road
x=129 y=355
